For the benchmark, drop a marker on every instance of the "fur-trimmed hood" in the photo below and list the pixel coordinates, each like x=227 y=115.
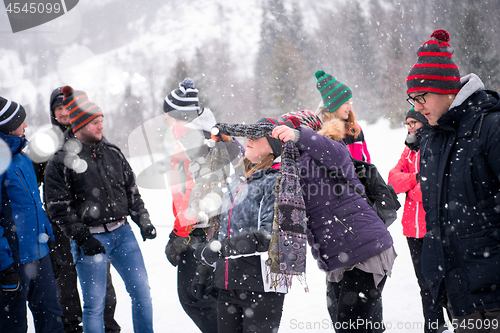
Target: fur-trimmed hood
x=333 y=129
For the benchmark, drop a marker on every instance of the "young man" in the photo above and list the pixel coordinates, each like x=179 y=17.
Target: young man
x=90 y=192
x=190 y=126
x=67 y=288
x=459 y=172
x=26 y=273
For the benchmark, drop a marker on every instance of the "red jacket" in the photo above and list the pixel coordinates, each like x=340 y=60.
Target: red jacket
x=403 y=178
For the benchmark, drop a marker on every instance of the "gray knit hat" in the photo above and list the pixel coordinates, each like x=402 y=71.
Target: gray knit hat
x=12 y=115
x=416 y=115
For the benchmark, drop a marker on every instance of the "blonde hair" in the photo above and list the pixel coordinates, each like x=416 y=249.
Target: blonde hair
x=350 y=124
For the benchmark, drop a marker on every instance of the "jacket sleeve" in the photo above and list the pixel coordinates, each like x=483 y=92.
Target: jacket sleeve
x=266 y=211
x=400 y=177
x=331 y=154
x=366 y=153
x=136 y=208
x=415 y=193
x=60 y=201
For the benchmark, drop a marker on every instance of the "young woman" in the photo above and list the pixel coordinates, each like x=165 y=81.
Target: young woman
x=337 y=104
x=348 y=239
x=404 y=177
x=246 y=301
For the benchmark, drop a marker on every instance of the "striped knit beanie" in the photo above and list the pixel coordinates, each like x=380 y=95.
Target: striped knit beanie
x=81 y=110
x=12 y=115
x=182 y=103
x=333 y=92
x=435 y=72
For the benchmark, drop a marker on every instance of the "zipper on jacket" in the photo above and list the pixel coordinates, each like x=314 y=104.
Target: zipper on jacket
x=22 y=182
x=346 y=228
x=229 y=233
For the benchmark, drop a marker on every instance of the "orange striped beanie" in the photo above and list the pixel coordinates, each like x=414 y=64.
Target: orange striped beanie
x=81 y=110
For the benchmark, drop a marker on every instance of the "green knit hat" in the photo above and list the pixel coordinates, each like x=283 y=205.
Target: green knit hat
x=333 y=92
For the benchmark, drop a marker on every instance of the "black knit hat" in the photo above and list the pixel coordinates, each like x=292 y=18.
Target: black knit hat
x=435 y=72
x=416 y=115
x=12 y=115
x=333 y=92
x=56 y=98
x=81 y=110
x=182 y=103
x=277 y=145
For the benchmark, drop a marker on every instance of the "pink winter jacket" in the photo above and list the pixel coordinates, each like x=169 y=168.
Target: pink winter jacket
x=357 y=146
x=403 y=178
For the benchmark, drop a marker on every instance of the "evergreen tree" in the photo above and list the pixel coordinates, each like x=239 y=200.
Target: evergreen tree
x=178 y=74
x=472 y=41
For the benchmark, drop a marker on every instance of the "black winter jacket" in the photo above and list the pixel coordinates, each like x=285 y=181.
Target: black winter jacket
x=92 y=187
x=460 y=170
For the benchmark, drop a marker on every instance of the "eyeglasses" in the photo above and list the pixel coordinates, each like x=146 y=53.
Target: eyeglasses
x=410 y=124
x=417 y=99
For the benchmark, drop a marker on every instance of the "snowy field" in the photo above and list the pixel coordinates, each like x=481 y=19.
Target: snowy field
x=303 y=312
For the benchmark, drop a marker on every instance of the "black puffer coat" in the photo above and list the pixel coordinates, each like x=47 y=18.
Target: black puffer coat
x=93 y=187
x=460 y=170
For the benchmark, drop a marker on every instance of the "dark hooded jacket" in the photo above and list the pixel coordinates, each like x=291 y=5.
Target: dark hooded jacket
x=54 y=100
x=92 y=187
x=343 y=228
x=460 y=170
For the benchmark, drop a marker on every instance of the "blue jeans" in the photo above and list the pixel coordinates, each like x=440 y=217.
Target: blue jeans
x=123 y=251
x=40 y=292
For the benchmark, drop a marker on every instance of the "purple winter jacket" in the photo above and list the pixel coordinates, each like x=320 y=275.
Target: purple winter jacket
x=343 y=228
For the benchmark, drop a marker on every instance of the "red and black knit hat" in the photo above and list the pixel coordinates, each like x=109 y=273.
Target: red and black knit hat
x=435 y=72
x=307 y=119
x=81 y=110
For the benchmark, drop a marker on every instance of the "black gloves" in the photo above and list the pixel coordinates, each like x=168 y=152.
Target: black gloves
x=203 y=282
x=10 y=283
x=91 y=246
x=248 y=243
x=148 y=231
x=208 y=253
x=251 y=242
x=55 y=258
x=175 y=247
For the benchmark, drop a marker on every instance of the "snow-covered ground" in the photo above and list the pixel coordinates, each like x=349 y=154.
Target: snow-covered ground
x=303 y=312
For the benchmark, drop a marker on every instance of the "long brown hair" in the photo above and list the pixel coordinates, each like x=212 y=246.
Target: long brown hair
x=250 y=168
x=350 y=124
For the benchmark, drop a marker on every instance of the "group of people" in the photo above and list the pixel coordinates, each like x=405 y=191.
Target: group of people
x=236 y=258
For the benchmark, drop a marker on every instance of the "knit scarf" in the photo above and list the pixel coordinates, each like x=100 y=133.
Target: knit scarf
x=287 y=251
x=204 y=201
